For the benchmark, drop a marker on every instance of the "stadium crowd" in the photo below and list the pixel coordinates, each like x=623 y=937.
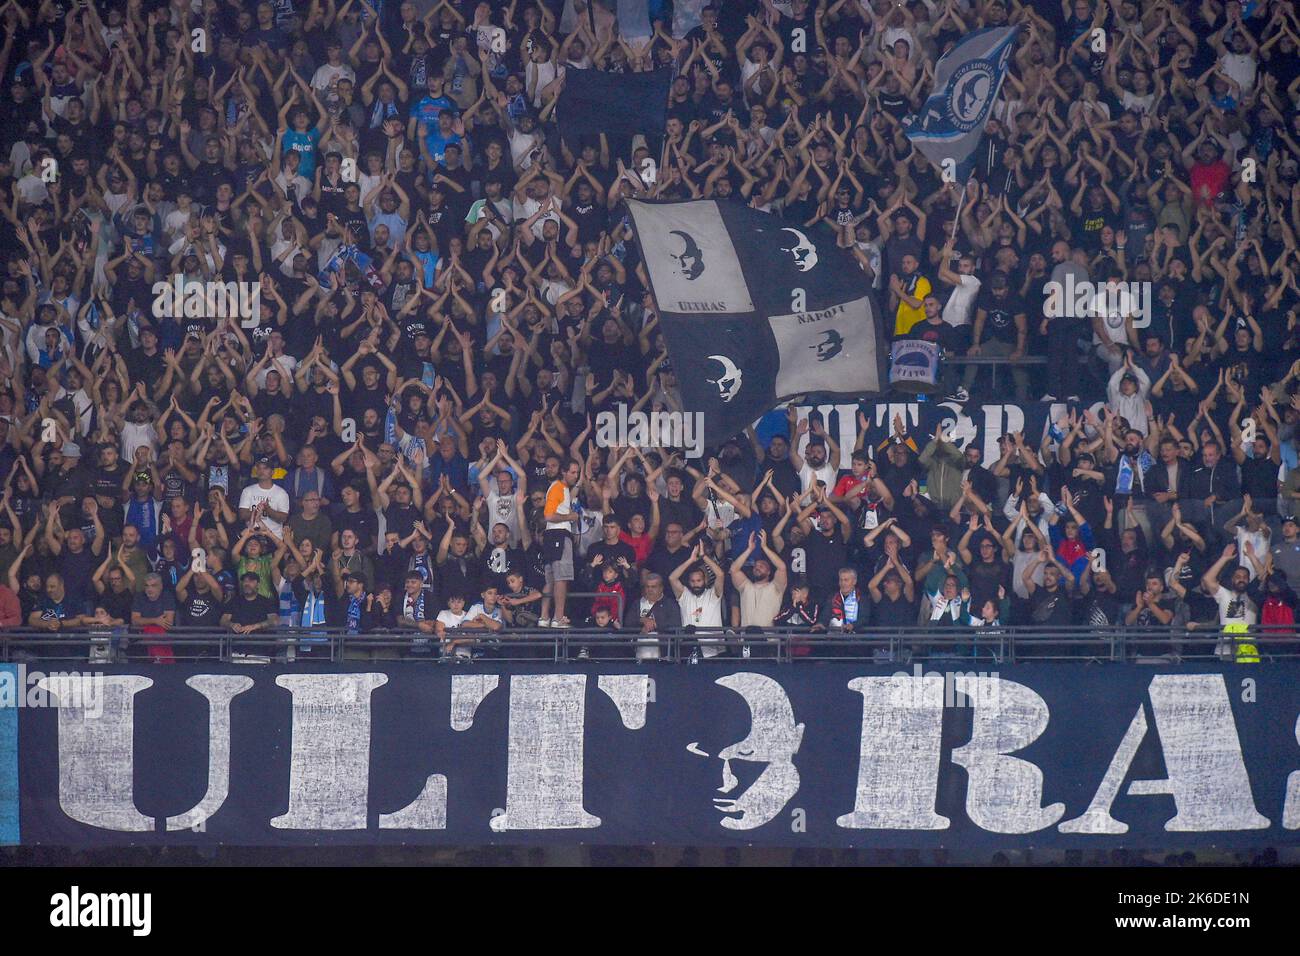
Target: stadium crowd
x=449 y=293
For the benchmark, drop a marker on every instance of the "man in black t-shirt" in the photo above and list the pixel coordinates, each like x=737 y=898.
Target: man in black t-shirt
x=1000 y=331
x=199 y=598
x=249 y=611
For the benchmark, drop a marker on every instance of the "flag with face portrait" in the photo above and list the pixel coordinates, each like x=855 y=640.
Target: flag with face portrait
x=756 y=310
x=950 y=124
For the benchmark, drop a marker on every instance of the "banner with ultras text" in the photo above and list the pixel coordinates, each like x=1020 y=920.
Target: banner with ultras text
x=819 y=754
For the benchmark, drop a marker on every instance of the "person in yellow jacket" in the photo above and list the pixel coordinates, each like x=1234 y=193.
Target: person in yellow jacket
x=908 y=290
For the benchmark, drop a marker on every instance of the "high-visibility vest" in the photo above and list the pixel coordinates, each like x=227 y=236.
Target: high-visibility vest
x=1245 y=652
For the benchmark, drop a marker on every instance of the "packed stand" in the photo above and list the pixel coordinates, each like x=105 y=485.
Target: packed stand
x=450 y=295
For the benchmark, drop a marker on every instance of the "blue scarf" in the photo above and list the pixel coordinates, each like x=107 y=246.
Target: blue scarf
x=354 y=615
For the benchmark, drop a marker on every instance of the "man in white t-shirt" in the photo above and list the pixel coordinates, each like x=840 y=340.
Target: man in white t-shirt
x=265 y=500
x=139 y=432
x=701 y=604
x=1238 y=608
x=819 y=461
x=1240 y=64
x=329 y=73
x=958 y=309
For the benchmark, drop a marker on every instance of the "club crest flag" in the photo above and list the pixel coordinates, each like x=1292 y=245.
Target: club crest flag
x=967 y=79
x=756 y=310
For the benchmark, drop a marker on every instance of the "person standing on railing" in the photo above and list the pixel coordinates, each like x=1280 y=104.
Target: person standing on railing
x=563 y=516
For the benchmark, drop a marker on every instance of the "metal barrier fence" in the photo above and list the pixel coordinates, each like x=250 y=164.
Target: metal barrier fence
x=904 y=645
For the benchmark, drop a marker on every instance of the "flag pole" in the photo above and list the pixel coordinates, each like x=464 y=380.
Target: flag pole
x=961 y=202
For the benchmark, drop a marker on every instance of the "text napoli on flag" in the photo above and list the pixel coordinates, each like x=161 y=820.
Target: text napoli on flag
x=755 y=310
x=967 y=80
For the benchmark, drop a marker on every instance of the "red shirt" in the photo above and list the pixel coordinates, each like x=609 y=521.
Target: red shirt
x=641 y=545
x=11 y=611
x=1208 y=181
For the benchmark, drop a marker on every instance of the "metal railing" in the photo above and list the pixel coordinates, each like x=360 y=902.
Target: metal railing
x=901 y=645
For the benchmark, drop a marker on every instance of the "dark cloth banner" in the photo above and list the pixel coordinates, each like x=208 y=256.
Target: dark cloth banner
x=756 y=311
x=817 y=754
x=619 y=105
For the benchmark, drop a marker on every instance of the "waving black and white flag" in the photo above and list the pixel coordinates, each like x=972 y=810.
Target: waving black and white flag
x=756 y=311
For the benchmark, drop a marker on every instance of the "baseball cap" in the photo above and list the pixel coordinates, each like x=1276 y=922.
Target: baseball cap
x=71 y=449
x=1290 y=518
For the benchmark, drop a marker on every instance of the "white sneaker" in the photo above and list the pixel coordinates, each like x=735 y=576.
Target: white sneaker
x=543 y=622
x=1072 y=398
x=960 y=395
x=1048 y=398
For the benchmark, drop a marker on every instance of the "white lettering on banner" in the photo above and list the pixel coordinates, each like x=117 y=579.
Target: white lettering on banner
x=1291 y=803
x=899 y=754
x=329 y=765
x=220 y=690
x=1004 y=794
x=428 y=811
x=467 y=692
x=630 y=694
x=1097 y=818
x=544 y=772
x=957 y=426
x=1202 y=755
x=96 y=766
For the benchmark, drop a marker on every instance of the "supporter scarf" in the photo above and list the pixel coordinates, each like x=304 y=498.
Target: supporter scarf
x=417 y=608
x=420 y=564
x=141 y=514
x=313 y=609
x=381 y=112
x=941 y=607
x=1126 y=472
x=354 y=615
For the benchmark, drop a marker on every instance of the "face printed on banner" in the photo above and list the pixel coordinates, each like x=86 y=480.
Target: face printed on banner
x=773 y=740
x=729 y=381
x=803 y=251
x=690 y=259
x=831 y=345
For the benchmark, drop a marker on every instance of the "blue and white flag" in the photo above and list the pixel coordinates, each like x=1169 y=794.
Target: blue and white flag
x=967 y=80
